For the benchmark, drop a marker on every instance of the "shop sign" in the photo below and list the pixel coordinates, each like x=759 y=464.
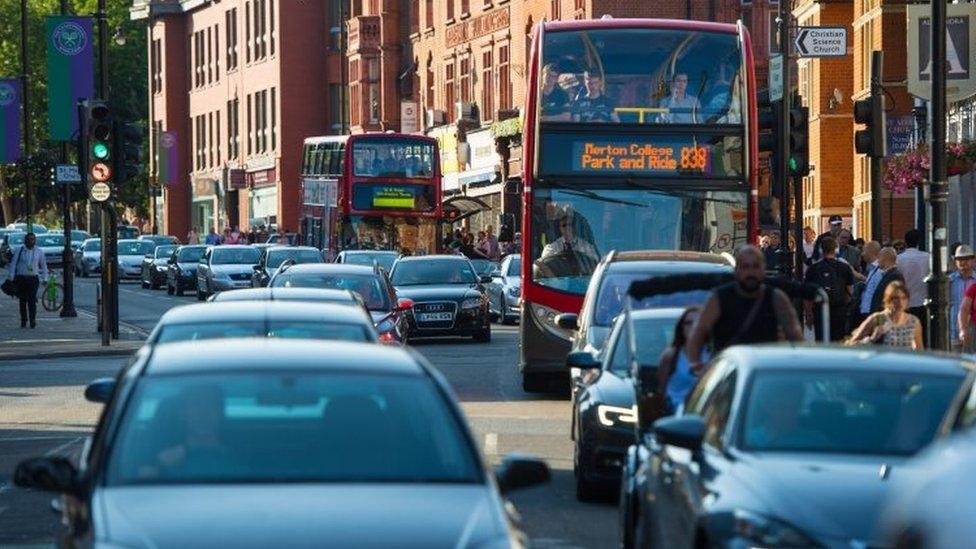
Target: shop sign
x=483 y=153
x=320 y=192
x=447 y=142
x=960 y=51
x=468 y=30
x=409 y=117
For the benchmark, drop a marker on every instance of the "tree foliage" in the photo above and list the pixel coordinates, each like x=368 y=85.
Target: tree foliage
x=127 y=77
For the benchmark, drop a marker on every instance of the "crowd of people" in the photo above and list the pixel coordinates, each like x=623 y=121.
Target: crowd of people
x=485 y=245
x=230 y=235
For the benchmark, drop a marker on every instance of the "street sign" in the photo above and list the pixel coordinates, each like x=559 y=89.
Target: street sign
x=776 y=77
x=66 y=174
x=100 y=192
x=101 y=172
x=821 y=41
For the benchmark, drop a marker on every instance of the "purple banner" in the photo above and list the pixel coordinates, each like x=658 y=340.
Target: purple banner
x=70 y=72
x=9 y=120
x=167 y=160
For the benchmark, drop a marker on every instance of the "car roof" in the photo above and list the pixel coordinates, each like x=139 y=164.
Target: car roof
x=669 y=255
x=229 y=311
x=437 y=257
x=369 y=252
x=279 y=248
x=188 y=246
x=330 y=268
x=651 y=314
x=792 y=356
x=231 y=246
x=269 y=294
x=667 y=266
x=255 y=354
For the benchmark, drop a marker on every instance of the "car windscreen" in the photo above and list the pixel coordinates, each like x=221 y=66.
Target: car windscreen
x=369 y=286
x=484 y=266
x=613 y=291
x=277 y=257
x=164 y=251
x=136 y=247
x=873 y=412
x=286 y=329
x=384 y=260
x=190 y=255
x=92 y=246
x=235 y=256
x=286 y=427
x=653 y=335
x=79 y=235
x=16 y=239
x=51 y=239
x=417 y=273
x=514 y=267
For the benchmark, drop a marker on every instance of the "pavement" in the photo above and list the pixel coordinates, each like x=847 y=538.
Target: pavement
x=56 y=337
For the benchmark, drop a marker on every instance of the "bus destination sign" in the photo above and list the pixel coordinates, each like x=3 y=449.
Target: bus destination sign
x=639 y=157
x=393 y=197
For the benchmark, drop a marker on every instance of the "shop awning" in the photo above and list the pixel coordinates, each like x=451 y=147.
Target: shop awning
x=461 y=207
x=479 y=176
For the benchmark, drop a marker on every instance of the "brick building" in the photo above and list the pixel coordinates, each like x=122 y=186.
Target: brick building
x=459 y=66
x=241 y=83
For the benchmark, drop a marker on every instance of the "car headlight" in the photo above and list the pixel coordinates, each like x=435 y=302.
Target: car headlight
x=514 y=291
x=615 y=415
x=767 y=531
x=472 y=303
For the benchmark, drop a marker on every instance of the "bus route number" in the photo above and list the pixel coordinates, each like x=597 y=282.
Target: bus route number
x=694 y=158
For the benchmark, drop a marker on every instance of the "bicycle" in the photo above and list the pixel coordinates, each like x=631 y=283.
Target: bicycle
x=52 y=297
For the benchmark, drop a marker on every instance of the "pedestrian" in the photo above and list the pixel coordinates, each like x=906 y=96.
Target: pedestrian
x=871 y=298
x=770 y=247
x=233 y=236
x=966 y=321
x=899 y=246
x=869 y=260
x=212 y=237
x=836 y=224
x=959 y=281
x=27 y=264
x=836 y=278
x=193 y=237
x=517 y=243
x=674 y=369
x=468 y=249
x=951 y=268
x=493 y=251
x=743 y=311
x=846 y=251
x=894 y=326
x=914 y=266
x=869 y=257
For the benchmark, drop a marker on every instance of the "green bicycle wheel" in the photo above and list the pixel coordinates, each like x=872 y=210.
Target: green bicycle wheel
x=53 y=297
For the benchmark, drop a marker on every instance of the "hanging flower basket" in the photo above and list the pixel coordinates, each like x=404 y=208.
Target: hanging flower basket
x=904 y=172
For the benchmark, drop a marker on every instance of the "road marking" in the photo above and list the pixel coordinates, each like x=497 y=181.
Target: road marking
x=28 y=439
x=491 y=443
x=58 y=449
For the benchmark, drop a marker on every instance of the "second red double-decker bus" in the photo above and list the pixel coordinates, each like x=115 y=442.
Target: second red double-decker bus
x=639 y=134
x=373 y=191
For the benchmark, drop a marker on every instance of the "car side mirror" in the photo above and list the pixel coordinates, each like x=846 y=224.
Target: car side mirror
x=100 y=390
x=148 y=256
x=568 y=321
x=51 y=474
x=681 y=431
x=484 y=279
x=256 y=267
x=517 y=471
x=171 y=261
x=496 y=274
x=584 y=360
x=405 y=304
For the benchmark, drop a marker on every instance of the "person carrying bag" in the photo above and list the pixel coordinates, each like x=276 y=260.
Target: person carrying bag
x=26 y=268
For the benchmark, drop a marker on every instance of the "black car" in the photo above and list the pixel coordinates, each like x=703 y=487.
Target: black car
x=372 y=284
x=787 y=446
x=449 y=297
x=273 y=257
x=155 y=265
x=604 y=410
x=211 y=444
x=181 y=272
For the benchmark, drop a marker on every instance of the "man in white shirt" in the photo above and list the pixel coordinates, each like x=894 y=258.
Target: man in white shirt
x=27 y=264
x=914 y=265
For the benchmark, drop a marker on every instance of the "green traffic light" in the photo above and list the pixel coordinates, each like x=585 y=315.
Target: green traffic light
x=100 y=151
x=792 y=164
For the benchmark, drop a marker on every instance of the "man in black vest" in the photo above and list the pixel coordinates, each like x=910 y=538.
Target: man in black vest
x=836 y=278
x=743 y=312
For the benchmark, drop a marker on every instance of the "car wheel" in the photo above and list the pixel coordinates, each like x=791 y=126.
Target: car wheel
x=178 y=288
x=506 y=320
x=145 y=285
x=169 y=288
x=484 y=336
x=153 y=284
x=200 y=295
x=533 y=383
x=586 y=490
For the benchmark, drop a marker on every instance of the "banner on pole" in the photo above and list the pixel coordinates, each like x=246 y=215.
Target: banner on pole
x=70 y=70
x=960 y=51
x=167 y=162
x=9 y=120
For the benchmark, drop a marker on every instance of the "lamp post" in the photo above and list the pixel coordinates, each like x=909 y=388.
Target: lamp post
x=920 y=111
x=67 y=257
x=936 y=282
x=25 y=109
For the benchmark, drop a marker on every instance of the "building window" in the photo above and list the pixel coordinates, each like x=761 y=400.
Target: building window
x=335 y=107
x=450 y=9
x=209 y=42
x=504 y=80
x=487 y=87
x=217 y=136
x=248 y=36
x=260 y=29
x=373 y=89
x=357 y=8
x=156 y=82
x=465 y=7
x=414 y=16
x=450 y=96
x=429 y=13
x=555 y=9
x=355 y=112
x=271 y=26
x=430 y=83
x=230 y=28
x=579 y=5
x=274 y=120
x=216 y=52
x=250 y=127
x=210 y=140
x=465 y=80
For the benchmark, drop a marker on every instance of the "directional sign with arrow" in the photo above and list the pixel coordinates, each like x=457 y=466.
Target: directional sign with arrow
x=821 y=41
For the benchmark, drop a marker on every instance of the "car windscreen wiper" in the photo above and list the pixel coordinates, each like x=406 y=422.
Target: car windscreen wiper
x=676 y=193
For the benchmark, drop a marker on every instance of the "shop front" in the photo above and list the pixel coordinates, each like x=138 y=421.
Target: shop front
x=263 y=197
x=203 y=213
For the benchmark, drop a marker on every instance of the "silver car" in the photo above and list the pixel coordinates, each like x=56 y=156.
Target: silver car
x=505 y=290
x=88 y=258
x=52 y=244
x=131 y=254
x=225 y=268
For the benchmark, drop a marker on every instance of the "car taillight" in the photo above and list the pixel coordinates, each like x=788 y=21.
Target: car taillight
x=387 y=338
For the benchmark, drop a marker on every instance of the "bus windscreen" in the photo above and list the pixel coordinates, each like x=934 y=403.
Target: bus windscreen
x=389 y=157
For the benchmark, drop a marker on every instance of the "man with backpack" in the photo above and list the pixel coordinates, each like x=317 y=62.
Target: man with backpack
x=836 y=278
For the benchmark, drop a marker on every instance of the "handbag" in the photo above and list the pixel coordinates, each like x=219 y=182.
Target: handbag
x=9 y=287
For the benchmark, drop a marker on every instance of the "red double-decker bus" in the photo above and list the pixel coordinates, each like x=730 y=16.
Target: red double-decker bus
x=373 y=191
x=640 y=134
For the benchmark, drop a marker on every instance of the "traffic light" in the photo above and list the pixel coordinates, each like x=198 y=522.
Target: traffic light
x=769 y=141
x=799 y=141
x=870 y=112
x=96 y=132
x=127 y=151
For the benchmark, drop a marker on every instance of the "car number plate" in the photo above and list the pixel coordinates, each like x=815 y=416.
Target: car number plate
x=434 y=317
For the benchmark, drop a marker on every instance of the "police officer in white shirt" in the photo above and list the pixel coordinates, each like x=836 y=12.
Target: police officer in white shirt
x=27 y=265
x=914 y=265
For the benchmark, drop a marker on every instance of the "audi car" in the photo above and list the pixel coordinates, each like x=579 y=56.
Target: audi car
x=505 y=290
x=372 y=284
x=449 y=297
x=181 y=274
x=225 y=268
x=154 y=266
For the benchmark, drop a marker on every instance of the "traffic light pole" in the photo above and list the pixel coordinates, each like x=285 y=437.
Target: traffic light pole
x=877 y=62
x=783 y=162
x=68 y=308
x=109 y=225
x=936 y=282
x=25 y=109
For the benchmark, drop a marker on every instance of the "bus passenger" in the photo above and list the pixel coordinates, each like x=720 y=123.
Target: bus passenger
x=682 y=108
x=555 y=100
x=591 y=104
